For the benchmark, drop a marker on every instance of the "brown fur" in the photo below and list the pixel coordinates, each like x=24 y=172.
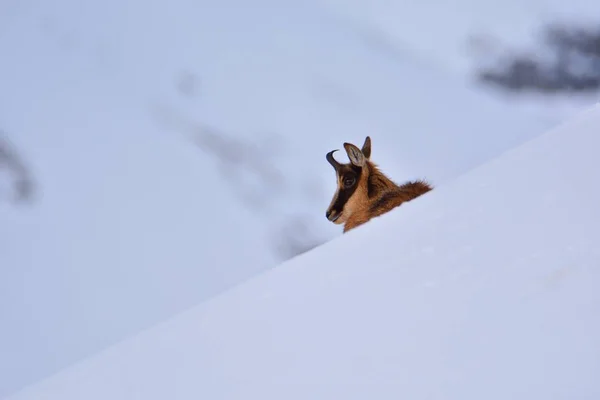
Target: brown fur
x=372 y=195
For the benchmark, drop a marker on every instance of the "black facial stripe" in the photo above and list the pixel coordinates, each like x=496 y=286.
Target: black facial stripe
x=343 y=197
x=344 y=193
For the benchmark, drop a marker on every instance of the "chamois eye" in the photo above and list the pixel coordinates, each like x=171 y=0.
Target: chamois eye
x=348 y=182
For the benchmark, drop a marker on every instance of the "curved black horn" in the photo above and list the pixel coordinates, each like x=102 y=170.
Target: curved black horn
x=332 y=160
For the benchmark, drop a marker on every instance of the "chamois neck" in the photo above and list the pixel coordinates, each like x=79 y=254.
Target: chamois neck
x=377 y=182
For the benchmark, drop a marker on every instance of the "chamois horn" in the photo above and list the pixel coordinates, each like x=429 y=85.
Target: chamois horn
x=332 y=160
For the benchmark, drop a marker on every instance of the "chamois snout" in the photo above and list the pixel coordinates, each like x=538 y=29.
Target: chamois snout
x=328 y=214
x=332 y=215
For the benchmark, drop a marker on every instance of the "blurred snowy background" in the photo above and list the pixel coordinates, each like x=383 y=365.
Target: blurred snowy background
x=156 y=153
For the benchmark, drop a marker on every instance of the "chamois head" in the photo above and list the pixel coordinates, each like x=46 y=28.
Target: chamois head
x=363 y=191
x=351 y=181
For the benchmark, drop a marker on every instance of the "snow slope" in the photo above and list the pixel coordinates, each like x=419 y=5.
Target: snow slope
x=439 y=32
x=458 y=37
x=486 y=287
x=123 y=233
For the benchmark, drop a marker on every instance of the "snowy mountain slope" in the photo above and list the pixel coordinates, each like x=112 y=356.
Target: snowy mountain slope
x=458 y=37
x=484 y=288
x=125 y=231
x=439 y=32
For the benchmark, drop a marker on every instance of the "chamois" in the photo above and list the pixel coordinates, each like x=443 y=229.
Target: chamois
x=363 y=191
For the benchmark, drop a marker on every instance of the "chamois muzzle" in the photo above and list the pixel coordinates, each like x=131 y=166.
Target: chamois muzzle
x=332 y=160
x=330 y=217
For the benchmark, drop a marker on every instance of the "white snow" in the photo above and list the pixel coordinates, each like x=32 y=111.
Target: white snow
x=439 y=33
x=456 y=38
x=135 y=219
x=132 y=221
x=486 y=287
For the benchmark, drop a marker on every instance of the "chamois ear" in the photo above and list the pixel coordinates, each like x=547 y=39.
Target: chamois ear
x=366 y=148
x=356 y=156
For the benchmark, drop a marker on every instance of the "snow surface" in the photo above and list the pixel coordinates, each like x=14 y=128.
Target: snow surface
x=124 y=231
x=459 y=37
x=486 y=287
x=440 y=33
